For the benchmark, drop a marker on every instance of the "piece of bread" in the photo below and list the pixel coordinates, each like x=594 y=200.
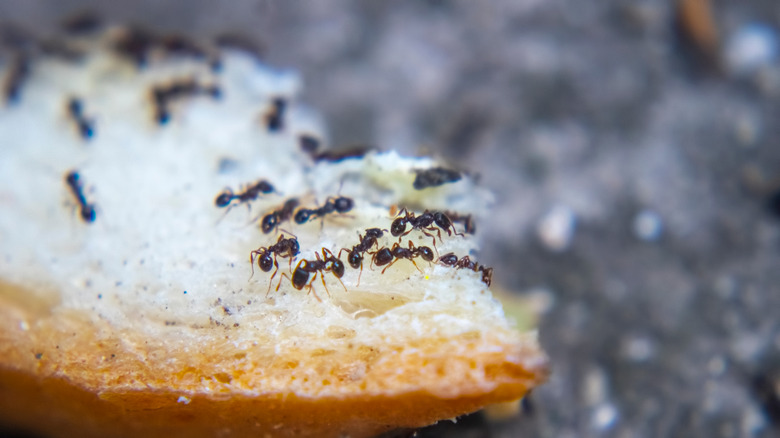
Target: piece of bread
x=128 y=305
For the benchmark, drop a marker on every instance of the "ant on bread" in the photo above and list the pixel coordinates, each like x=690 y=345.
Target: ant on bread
x=327 y=263
x=76 y=112
x=266 y=256
x=451 y=260
x=272 y=220
x=339 y=204
x=469 y=227
x=388 y=256
x=87 y=210
x=274 y=118
x=251 y=193
x=424 y=223
x=163 y=95
x=355 y=255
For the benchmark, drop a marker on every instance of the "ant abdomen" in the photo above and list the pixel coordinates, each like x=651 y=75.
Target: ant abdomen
x=265 y=262
x=426 y=253
x=398 y=227
x=223 y=199
x=269 y=222
x=354 y=259
x=383 y=257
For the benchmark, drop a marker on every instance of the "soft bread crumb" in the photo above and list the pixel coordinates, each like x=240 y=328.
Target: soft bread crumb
x=149 y=319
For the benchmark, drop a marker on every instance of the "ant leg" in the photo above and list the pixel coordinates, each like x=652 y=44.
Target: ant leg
x=283 y=276
x=311 y=288
x=342 y=283
x=230 y=207
x=271 y=280
x=322 y=277
x=391 y=264
x=415 y=265
x=361 y=273
x=252 y=256
x=433 y=240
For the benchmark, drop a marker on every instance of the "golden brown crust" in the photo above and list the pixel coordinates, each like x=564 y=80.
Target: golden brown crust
x=81 y=374
x=56 y=408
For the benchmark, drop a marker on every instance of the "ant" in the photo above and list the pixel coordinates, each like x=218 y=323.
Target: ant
x=451 y=260
x=388 y=257
x=76 y=111
x=274 y=119
x=72 y=179
x=468 y=222
x=434 y=177
x=424 y=223
x=249 y=194
x=355 y=256
x=328 y=263
x=18 y=73
x=273 y=219
x=266 y=256
x=163 y=95
x=340 y=204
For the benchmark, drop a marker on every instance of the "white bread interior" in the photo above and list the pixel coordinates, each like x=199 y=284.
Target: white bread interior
x=147 y=323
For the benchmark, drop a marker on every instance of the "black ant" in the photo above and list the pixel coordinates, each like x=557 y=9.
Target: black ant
x=355 y=255
x=434 y=177
x=162 y=95
x=76 y=111
x=340 y=204
x=72 y=179
x=18 y=73
x=273 y=219
x=274 y=119
x=249 y=194
x=451 y=260
x=266 y=256
x=424 y=223
x=468 y=222
x=388 y=257
x=328 y=263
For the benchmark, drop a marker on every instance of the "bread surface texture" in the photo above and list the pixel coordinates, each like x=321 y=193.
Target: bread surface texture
x=132 y=303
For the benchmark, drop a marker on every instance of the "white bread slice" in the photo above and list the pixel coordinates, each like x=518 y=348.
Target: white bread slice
x=149 y=321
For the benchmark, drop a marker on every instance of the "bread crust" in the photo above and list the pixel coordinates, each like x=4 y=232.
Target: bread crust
x=80 y=374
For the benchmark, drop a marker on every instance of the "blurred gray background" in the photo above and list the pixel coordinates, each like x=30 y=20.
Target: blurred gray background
x=634 y=152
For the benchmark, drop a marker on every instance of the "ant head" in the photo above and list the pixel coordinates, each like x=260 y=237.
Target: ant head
x=295 y=248
x=224 y=198
x=337 y=268
x=426 y=253
x=72 y=178
x=88 y=213
x=264 y=186
x=343 y=204
x=374 y=232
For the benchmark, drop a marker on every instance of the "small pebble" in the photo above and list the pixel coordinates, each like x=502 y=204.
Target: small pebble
x=716 y=366
x=604 y=416
x=638 y=348
x=648 y=226
x=751 y=48
x=556 y=228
